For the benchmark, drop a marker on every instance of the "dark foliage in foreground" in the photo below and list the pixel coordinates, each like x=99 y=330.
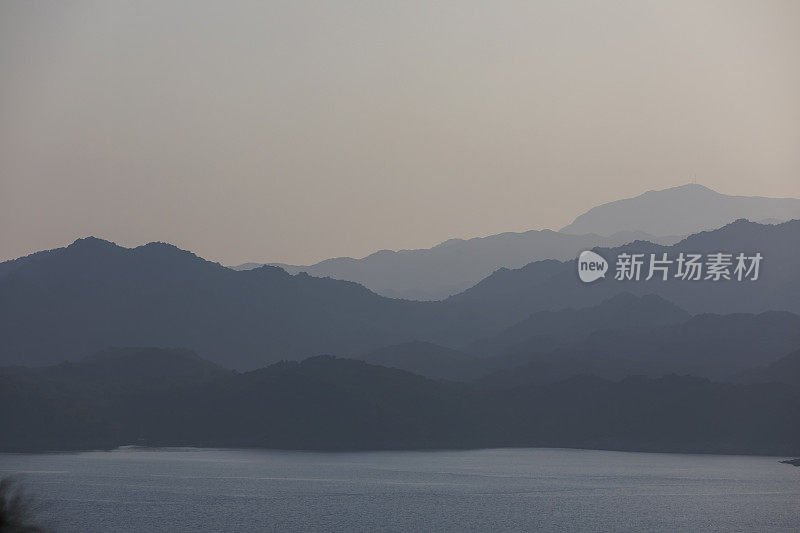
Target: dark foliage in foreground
x=336 y=404
x=16 y=514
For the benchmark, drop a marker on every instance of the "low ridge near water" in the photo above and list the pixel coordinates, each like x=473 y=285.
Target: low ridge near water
x=342 y=404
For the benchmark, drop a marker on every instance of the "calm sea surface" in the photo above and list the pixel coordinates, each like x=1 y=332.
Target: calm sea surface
x=508 y=489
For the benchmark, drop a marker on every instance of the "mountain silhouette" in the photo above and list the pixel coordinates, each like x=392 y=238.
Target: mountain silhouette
x=550 y=285
x=516 y=370
x=784 y=370
x=426 y=359
x=620 y=312
x=456 y=264
x=720 y=347
x=330 y=403
x=622 y=336
x=661 y=217
x=138 y=368
x=93 y=294
x=681 y=211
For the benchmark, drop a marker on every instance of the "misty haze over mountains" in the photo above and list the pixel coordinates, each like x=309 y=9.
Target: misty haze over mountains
x=662 y=217
x=551 y=284
x=399 y=266
x=503 y=363
x=66 y=303
x=624 y=335
x=457 y=264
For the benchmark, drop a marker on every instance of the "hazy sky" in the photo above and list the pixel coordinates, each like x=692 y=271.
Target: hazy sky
x=295 y=131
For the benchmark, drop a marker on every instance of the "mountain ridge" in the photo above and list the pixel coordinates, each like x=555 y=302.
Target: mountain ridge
x=329 y=403
x=455 y=264
x=681 y=210
x=94 y=294
x=659 y=216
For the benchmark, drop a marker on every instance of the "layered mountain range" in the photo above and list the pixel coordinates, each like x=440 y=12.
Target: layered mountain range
x=661 y=217
x=102 y=345
x=66 y=303
x=173 y=398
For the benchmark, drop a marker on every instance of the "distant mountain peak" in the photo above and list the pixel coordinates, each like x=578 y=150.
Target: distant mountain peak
x=681 y=210
x=91 y=243
x=161 y=245
x=688 y=187
x=166 y=251
x=96 y=246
